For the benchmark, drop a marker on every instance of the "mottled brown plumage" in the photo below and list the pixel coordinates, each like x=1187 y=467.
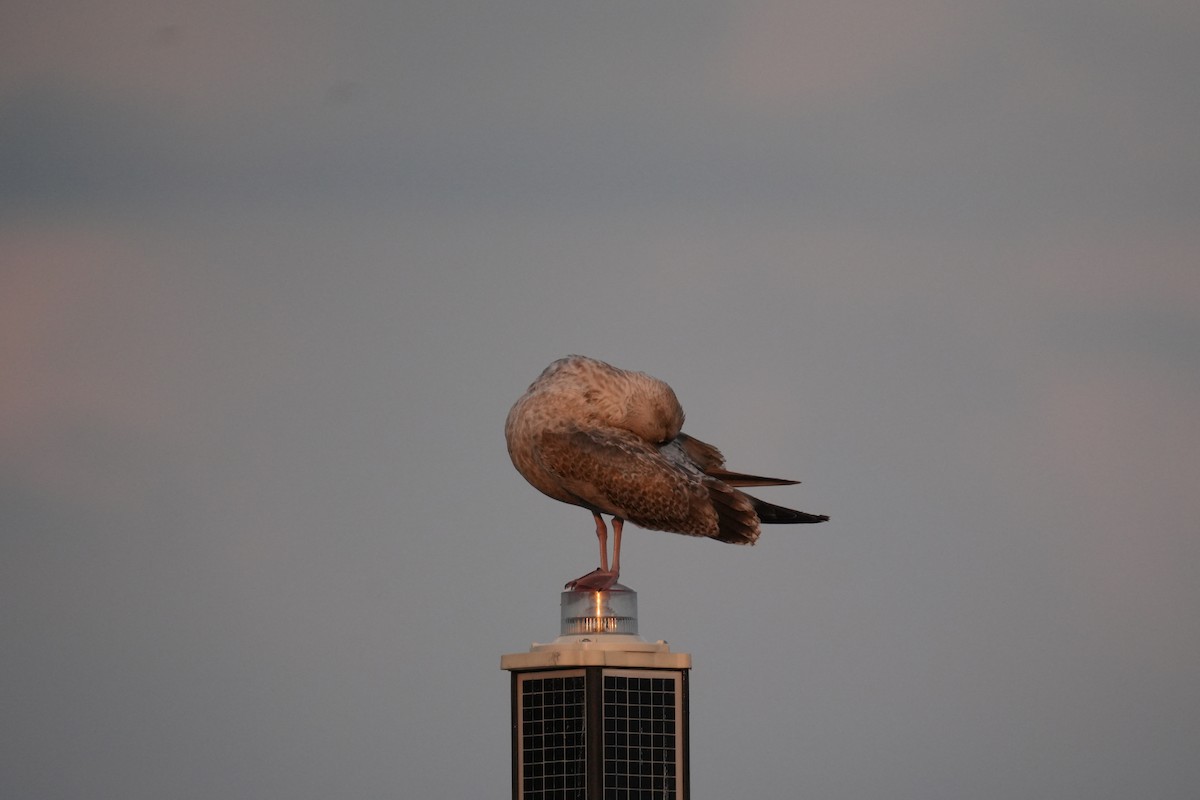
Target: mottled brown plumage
x=609 y=440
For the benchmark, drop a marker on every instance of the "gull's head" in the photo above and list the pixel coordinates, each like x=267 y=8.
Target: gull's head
x=652 y=411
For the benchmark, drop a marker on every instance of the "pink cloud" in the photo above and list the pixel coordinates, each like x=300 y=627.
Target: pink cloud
x=1111 y=447
x=202 y=60
x=783 y=52
x=1119 y=264
x=77 y=338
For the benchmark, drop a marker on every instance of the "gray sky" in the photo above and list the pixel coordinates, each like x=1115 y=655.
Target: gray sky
x=271 y=275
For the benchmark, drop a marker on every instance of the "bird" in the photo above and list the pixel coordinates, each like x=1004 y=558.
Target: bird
x=610 y=440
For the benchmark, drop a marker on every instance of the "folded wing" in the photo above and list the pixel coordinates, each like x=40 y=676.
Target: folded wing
x=615 y=472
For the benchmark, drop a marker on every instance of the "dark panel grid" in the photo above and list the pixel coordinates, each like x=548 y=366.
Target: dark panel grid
x=640 y=738
x=554 y=759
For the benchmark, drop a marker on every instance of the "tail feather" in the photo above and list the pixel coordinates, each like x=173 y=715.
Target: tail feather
x=712 y=463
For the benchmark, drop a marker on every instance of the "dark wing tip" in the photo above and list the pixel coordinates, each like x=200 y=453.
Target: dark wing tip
x=742 y=479
x=772 y=514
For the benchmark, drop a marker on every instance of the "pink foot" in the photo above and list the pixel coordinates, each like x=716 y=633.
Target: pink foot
x=595 y=581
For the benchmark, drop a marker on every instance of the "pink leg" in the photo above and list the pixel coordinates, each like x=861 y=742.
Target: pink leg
x=618 y=524
x=602 y=535
x=600 y=579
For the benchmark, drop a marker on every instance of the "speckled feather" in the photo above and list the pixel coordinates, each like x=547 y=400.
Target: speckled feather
x=609 y=440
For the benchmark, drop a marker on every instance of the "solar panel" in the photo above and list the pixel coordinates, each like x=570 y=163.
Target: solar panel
x=638 y=715
x=641 y=736
x=553 y=757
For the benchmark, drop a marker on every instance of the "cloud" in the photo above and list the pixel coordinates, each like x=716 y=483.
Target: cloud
x=80 y=335
x=202 y=62
x=64 y=148
x=787 y=54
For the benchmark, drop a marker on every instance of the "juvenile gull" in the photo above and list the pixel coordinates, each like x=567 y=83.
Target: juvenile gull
x=609 y=440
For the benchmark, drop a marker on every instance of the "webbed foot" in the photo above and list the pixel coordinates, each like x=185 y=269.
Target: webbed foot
x=597 y=580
